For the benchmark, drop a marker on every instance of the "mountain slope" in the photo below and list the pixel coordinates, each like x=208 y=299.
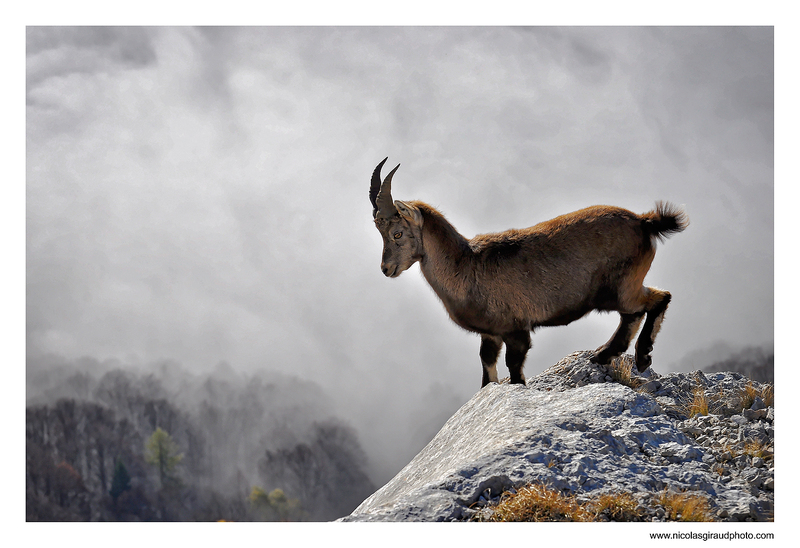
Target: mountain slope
x=576 y=430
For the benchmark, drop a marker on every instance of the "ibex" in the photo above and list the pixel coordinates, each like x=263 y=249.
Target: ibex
x=505 y=285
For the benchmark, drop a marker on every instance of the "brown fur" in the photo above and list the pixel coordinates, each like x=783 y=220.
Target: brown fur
x=506 y=284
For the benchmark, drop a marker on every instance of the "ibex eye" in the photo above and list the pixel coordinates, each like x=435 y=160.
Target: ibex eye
x=397 y=235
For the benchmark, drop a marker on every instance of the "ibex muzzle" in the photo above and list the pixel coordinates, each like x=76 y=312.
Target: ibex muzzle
x=399 y=223
x=505 y=285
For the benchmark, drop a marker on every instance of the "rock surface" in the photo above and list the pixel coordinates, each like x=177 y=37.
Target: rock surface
x=575 y=428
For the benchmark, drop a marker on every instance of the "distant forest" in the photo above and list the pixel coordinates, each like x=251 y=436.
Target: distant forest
x=106 y=443
x=755 y=362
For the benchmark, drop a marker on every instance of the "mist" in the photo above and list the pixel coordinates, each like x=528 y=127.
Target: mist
x=236 y=433
x=200 y=195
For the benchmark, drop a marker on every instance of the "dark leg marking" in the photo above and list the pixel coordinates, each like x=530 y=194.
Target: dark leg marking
x=644 y=344
x=517 y=345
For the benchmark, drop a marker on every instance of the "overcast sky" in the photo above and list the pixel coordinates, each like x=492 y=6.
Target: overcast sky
x=202 y=194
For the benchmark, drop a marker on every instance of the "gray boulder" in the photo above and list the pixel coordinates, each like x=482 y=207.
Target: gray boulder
x=574 y=430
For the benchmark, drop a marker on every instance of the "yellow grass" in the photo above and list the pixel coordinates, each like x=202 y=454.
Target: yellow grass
x=755 y=448
x=622 y=372
x=538 y=503
x=699 y=403
x=750 y=392
x=615 y=506
x=685 y=507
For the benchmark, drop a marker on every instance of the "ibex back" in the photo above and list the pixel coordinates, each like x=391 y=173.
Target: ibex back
x=505 y=285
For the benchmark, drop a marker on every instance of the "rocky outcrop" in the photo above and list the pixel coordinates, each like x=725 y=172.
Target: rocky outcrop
x=584 y=430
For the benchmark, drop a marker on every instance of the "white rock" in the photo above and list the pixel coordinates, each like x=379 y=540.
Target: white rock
x=601 y=437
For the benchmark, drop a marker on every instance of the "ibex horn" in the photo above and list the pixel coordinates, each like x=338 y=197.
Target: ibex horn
x=375 y=186
x=383 y=203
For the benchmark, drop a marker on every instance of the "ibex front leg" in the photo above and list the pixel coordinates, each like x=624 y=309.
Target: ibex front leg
x=517 y=345
x=490 y=350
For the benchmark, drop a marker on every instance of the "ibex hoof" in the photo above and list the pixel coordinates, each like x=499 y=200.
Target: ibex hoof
x=600 y=357
x=643 y=362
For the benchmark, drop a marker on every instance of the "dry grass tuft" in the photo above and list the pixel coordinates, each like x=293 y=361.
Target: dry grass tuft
x=698 y=405
x=768 y=395
x=616 y=507
x=750 y=392
x=685 y=507
x=748 y=395
x=621 y=370
x=751 y=448
x=538 y=503
x=755 y=448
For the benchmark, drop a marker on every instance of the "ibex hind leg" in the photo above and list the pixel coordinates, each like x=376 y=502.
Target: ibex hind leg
x=490 y=350
x=659 y=300
x=620 y=340
x=517 y=345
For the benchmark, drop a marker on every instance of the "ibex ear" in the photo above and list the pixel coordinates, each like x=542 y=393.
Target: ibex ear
x=409 y=212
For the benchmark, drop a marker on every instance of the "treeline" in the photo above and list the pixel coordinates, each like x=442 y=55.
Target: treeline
x=105 y=443
x=755 y=362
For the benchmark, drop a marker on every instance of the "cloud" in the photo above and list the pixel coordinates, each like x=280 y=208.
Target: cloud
x=201 y=194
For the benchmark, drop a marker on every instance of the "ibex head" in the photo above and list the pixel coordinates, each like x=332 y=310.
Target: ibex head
x=400 y=225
